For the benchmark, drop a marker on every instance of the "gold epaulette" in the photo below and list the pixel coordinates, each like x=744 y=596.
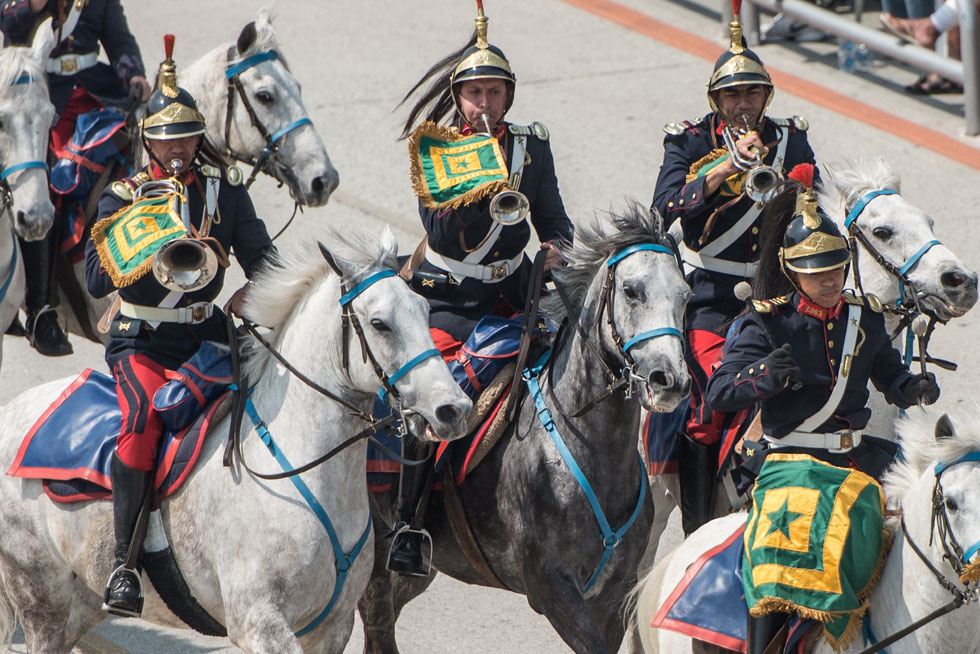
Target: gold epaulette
x=536 y=128
x=769 y=306
x=868 y=300
x=123 y=188
x=210 y=171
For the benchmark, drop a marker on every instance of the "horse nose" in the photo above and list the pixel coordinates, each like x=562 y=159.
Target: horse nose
x=960 y=286
x=449 y=414
x=322 y=186
x=665 y=380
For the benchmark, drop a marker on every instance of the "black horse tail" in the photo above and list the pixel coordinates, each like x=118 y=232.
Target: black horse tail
x=437 y=99
x=769 y=280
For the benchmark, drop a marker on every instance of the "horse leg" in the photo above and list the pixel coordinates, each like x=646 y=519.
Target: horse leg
x=43 y=603
x=262 y=628
x=554 y=593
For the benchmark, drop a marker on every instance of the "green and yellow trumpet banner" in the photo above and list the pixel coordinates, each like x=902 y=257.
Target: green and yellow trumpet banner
x=127 y=240
x=450 y=170
x=814 y=543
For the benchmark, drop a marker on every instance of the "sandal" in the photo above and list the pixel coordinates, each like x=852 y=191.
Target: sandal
x=927 y=85
x=897 y=27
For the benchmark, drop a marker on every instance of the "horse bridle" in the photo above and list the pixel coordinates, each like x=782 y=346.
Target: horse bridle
x=388 y=394
x=953 y=553
x=269 y=162
x=626 y=375
x=6 y=194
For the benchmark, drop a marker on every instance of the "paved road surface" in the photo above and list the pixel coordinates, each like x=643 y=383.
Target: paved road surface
x=604 y=85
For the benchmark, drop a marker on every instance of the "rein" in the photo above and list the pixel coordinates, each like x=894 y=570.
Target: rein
x=952 y=553
x=268 y=162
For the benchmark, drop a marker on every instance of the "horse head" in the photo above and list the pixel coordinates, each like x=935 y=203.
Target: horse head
x=254 y=111
x=635 y=294
x=375 y=328
x=865 y=197
x=25 y=118
x=937 y=487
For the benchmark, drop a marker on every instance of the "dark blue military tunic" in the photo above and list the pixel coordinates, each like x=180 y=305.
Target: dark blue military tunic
x=101 y=21
x=170 y=344
x=817 y=338
x=457 y=308
x=713 y=302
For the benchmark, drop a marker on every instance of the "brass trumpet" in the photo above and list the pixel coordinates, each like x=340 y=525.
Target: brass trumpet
x=185 y=265
x=762 y=181
x=510 y=206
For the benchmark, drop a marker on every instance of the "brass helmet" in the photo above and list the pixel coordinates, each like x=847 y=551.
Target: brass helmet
x=482 y=61
x=171 y=112
x=812 y=243
x=738 y=66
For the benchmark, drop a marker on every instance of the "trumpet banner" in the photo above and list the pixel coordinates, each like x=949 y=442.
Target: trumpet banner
x=450 y=170
x=814 y=543
x=127 y=240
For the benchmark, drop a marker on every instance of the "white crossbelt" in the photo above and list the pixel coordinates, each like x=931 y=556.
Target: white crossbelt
x=191 y=314
x=489 y=273
x=69 y=64
x=714 y=264
x=834 y=441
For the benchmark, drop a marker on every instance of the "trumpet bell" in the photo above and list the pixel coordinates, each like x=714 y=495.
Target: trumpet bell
x=762 y=183
x=185 y=265
x=509 y=207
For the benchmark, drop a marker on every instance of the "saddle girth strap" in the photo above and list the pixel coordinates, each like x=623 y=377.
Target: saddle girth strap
x=460 y=525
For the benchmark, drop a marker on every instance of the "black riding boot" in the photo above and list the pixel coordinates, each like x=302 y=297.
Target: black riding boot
x=696 y=464
x=406 y=546
x=762 y=632
x=43 y=329
x=124 y=592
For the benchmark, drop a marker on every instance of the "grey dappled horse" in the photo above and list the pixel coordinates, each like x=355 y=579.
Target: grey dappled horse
x=530 y=516
x=256 y=554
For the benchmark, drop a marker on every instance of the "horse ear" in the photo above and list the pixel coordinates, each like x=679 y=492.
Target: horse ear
x=389 y=243
x=944 y=428
x=330 y=259
x=44 y=41
x=247 y=38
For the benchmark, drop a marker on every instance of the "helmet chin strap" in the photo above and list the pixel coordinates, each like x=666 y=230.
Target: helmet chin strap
x=163 y=166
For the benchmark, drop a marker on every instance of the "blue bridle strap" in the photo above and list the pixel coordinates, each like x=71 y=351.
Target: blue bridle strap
x=914 y=259
x=401 y=372
x=23 y=166
x=344 y=560
x=248 y=62
x=639 y=247
x=290 y=127
x=23 y=79
x=363 y=286
x=653 y=333
x=945 y=465
x=610 y=538
x=853 y=214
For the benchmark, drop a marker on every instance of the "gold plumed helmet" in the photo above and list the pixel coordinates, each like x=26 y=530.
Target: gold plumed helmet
x=812 y=242
x=171 y=112
x=738 y=66
x=483 y=60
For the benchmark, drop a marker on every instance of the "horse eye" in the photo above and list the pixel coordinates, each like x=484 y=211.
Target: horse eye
x=379 y=325
x=264 y=97
x=882 y=233
x=630 y=292
x=951 y=505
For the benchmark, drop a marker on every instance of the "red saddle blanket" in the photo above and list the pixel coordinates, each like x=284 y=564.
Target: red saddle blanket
x=70 y=446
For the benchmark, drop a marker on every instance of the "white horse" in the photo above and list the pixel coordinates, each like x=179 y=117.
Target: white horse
x=907 y=590
x=252 y=105
x=254 y=553
x=25 y=207
x=898 y=230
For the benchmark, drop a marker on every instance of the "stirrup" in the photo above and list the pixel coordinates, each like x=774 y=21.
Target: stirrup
x=125 y=613
x=401 y=529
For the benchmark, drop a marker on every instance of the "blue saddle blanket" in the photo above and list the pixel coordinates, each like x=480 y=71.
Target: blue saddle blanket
x=709 y=602
x=70 y=446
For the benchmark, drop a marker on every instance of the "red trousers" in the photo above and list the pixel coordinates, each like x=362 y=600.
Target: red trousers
x=704 y=350
x=137 y=378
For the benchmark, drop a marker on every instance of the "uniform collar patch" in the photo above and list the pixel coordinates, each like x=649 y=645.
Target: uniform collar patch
x=809 y=308
x=157 y=173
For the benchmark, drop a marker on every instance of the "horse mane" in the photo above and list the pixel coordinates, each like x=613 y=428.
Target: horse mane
x=281 y=287
x=921 y=450
x=595 y=241
x=15 y=61
x=846 y=183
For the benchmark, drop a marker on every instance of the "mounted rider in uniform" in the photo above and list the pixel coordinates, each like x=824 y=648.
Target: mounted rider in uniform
x=702 y=186
x=155 y=327
x=77 y=83
x=806 y=356
x=470 y=264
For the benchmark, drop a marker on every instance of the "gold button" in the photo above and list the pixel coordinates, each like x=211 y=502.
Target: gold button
x=496 y=253
x=694 y=196
x=755 y=230
x=680 y=202
x=754 y=247
x=751 y=371
x=670 y=204
x=762 y=366
x=830 y=326
x=830 y=344
x=833 y=362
